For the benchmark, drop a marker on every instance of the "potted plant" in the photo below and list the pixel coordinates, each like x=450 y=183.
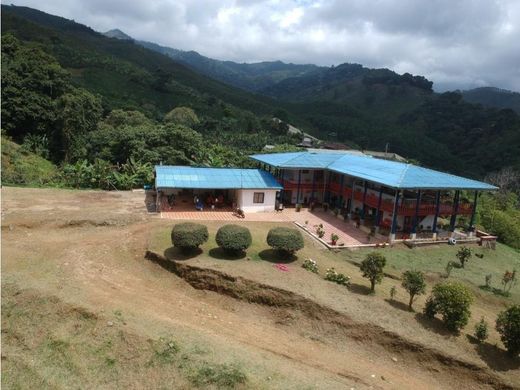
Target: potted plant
x=306 y=225
x=336 y=212
x=325 y=206
x=320 y=232
x=298 y=207
x=334 y=238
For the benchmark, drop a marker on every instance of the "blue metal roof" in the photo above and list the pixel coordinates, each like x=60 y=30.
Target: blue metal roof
x=388 y=173
x=213 y=178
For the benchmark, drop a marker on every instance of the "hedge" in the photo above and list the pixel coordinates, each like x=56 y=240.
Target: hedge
x=189 y=236
x=233 y=238
x=284 y=239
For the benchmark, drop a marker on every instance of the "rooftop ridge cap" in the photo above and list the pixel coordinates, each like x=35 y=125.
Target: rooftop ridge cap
x=401 y=177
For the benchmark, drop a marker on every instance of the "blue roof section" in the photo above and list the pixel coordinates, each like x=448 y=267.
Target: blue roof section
x=213 y=178
x=388 y=173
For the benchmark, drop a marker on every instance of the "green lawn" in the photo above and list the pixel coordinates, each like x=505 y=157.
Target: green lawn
x=433 y=260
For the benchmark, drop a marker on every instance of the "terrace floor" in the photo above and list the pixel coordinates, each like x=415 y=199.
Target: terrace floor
x=348 y=233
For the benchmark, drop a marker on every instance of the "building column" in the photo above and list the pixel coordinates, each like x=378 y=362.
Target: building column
x=299 y=185
x=471 y=227
x=394 y=217
x=351 y=198
x=363 y=208
x=416 y=216
x=313 y=192
x=455 y=210
x=378 y=211
x=436 y=216
x=339 y=200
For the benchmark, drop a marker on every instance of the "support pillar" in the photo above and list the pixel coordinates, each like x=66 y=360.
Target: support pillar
x=394 y=217
x=299 y=185
x=313 y=192
x=471 y=226
x=363 y=209
x=455 y=210
x=378 y=211
x=436 y=216
x=413 y=236
x=351 y=199
x=339 y=201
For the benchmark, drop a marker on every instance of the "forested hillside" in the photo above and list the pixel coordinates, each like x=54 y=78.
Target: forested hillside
x=74 y=94
x=68 y=69
x=493 y=97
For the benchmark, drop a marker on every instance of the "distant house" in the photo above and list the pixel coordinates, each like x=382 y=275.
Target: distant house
x=385 y=155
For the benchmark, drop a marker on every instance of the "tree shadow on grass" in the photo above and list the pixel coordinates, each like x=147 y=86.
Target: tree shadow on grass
x=398 y=304
x=359 y=289
x=495 y=358
x=275 y=256
x=433 y=324
x=173 y=253
x=221 y=254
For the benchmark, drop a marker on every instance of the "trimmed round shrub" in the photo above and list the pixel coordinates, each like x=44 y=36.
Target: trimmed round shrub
x=508 y=325
x=189 y=236
x=233 y=238
x=452 y=301
x=285 y=240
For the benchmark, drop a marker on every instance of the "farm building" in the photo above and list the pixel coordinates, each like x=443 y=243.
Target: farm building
x=252 y=190
x=392 y=195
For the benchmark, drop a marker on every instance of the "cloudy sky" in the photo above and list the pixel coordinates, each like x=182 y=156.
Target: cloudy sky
x=455 y=43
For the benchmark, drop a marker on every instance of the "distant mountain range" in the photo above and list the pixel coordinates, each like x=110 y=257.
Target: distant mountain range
x=493 y=97
x=298 y=82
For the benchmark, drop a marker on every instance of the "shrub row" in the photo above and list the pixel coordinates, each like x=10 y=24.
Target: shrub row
x=235 y=239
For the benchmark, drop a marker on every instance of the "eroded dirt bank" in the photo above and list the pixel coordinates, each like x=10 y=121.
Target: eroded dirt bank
x=289 y=306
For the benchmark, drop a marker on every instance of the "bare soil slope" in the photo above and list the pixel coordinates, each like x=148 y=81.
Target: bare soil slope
x=82 y=305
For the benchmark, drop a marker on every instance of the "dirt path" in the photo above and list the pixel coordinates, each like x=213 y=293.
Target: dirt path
x=87 y=248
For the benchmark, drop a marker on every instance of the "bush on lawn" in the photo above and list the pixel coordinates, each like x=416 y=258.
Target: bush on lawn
x=334 y=276
x=285 y=240
x=189 y=236
x=413 y=282
x=233 y=239
x=452 y=301
x=372 y=268
x=508 y=325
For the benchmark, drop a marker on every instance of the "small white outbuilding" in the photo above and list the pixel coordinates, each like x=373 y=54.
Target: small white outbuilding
x=252 y=190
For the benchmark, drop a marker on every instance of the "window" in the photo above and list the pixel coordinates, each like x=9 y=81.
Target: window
x=258 y=197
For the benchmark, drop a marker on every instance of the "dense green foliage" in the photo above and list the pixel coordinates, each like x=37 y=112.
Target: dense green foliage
x=23 y=167
x=508 y=325
x=463 y=254
x=188 y=235
x=286 y=240
x=334 y=276
x=414 y=283
x=481 y=330
x=452 y=301
x=499 y=214
x=372 y=268
x=66 y=82
x=233 y=238
x=493 y=97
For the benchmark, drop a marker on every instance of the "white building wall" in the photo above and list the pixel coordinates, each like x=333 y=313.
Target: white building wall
x=245 y=201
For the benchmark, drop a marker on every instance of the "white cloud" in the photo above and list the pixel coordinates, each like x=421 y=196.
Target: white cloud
x=456 y=44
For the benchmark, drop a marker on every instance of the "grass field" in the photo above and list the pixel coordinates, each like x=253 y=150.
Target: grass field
x=432 y=260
